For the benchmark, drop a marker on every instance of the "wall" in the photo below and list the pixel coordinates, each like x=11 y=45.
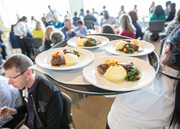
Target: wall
x=75 y=6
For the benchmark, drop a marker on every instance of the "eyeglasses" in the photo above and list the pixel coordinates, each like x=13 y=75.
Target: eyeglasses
x=13 y=78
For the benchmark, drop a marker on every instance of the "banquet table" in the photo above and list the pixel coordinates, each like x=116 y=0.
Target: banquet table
x=78 y=84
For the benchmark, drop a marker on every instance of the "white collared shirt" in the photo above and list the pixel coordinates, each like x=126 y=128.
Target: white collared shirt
x=147 y=108
x=9 y=97
x=110 y=20
x=20 y=29
x=51 y=14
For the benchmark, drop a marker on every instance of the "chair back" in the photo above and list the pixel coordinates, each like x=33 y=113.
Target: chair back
x=67 y=102
x=42 y=48
x=156 y=26
x=34 y=42
x=89 y=24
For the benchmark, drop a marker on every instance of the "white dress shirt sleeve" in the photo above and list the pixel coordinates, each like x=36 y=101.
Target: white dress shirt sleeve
x=20 y=29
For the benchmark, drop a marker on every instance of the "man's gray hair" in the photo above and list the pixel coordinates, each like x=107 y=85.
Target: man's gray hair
x=67 y=19
x=57 y=36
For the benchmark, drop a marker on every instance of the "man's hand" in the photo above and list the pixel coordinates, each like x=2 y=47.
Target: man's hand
x=23 y=35
x=70 y=31
x=78 y=35
x=7 y=111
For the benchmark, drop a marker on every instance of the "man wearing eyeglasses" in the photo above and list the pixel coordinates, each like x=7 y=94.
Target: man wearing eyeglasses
x=43 y=100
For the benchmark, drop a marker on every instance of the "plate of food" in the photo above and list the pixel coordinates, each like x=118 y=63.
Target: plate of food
x=128 y=47
x=88 y=41
x=119 y=73
x=64 y=58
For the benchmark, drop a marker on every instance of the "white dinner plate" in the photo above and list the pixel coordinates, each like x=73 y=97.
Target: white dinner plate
x=73 y=42
x=44 y=59
x=147 y=74
x=147 y=48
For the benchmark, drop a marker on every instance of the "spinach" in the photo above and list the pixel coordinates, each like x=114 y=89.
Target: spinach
x=89 y=43
x=132 y=74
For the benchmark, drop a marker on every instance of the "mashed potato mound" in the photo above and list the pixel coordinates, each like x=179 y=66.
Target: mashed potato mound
x=80 y=42
x=70 y=59
x=115 y=74
x=120 y=45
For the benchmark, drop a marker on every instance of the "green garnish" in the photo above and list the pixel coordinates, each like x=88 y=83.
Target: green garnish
x=129 y=49
x=89 y=43
x=132 y=74
x=75 y=52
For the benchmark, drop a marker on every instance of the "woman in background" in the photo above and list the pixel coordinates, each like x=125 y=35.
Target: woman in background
x=43 y=19
x=172 y=12
x=38 y=32
x=48 y=32
x=167 y=7
x=81 y=29
x=56 y=23
x=57 y=36
x=134 y=18
x=152 y=7
x=158 y=14
x=126 y=26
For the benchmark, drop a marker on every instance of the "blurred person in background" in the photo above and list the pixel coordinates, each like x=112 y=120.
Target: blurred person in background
x=173 y=24
x=43 y=19
x=38 y=32
x=172 y=12
x=152 y=7
x=56 y=36
x=81 y=13
x=75 y=19
x=121 y=12
x=2 y=50
x=167 y=10
x=12 y=40
x=134 y=18
x=50 y=15
x=1 y=32
x=126 y=26
x=107 y=19
x=104 y=9
x=2 y=46
x=135 y=8
x=48 y=42
x=33 y=22
x=90 y=17
x=67 y=14
x=158 y=14
x=81 y=29
x=67 y=29
x=107 y=28
x=21 y=32
x=56 y=23
x=94 y=13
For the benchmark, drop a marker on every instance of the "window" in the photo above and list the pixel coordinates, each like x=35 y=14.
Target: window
x=113 y=6
x=12 y=10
